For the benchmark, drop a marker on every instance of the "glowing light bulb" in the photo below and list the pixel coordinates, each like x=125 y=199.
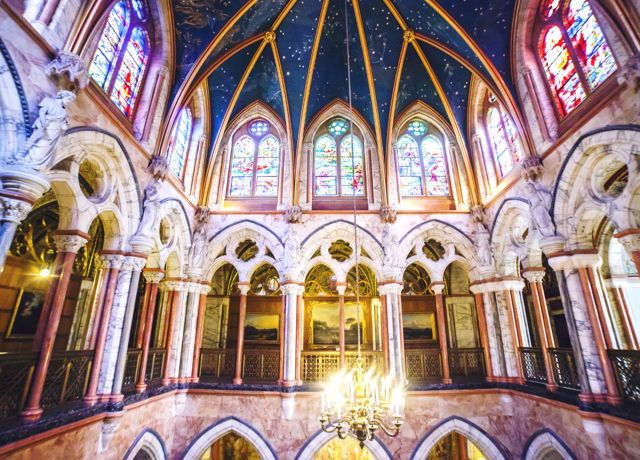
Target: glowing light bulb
x=45 y=272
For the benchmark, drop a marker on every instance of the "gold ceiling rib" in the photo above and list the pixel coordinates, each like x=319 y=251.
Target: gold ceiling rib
x=392 y=106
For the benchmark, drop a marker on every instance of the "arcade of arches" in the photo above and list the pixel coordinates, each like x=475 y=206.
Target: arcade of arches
x=179 y=262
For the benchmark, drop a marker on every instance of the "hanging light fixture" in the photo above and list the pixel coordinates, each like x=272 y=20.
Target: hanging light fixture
x=357 y=402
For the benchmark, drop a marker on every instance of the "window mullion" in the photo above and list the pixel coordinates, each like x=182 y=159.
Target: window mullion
x=422 y=168
x=256 y=150
x=584 y=81
x=121 y=53
x=338 y=167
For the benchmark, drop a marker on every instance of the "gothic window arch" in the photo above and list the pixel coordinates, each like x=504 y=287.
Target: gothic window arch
x=338 y=161
x=574 y=52
x=504 y=142
x=422 y=165
x=179 y=149
x=120 y=61
x=255 y=162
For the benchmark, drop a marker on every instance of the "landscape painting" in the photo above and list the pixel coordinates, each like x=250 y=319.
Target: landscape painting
x=326 y=324
x=419 y=327
x=261 y=327
x=26 y=314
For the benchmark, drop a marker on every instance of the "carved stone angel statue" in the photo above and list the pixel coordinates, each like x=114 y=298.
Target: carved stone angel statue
x=540 y=209
x=198 y=250
x=291 y=248
x=47 y=132
x=150 y=211
x=390 y=245
x=483 y=245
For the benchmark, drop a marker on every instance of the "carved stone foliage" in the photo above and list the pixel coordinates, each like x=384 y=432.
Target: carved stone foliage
x=69 y=71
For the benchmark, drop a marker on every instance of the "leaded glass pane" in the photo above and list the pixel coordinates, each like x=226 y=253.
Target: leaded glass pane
x=512 y=135
x=127 y=84
x=110 y=42
x=139 y=8
x=338 y=127
x=267 y=167
x=351 y=166
x=417 y=128
x=550 y=7
x=561 y=71
x=410 y=167
x=499 y=140
x=182 y=137
x=259 y=128
x=326 y=166
x=589 y=42
x=241 y=182
x=435 y=168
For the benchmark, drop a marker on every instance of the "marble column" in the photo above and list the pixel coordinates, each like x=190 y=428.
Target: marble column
x=135 y=264
x=291 y=290
x=438 y=287
x=617 y=288
x=516 y=326
x=484 y=334
x=202 y=307
x=113 y=262
x=534 y=276
x=391 y=291
x=143 y=316
x=175 y=290
x=299 y=334
x=596 y=376
x=385 y=331
x=630 y=239
x=244 y=289
x=153 y=278
x=67 y=246
x=189 y=330
x=341 y=288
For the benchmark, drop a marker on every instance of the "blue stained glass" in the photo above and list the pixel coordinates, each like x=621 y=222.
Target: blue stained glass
x=267 y=167
x=180 y=144
x=410 y=167
x=129 y=79
x=259 y=128
x=326 y=166
x=242 y=165
x=351 y=166
x=435 y=167
x=417 y=128
x=338 y=127
x=109 y=45
x=140 y=9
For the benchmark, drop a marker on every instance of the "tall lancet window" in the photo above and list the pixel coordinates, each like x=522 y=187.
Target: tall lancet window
x=421 y=162
x=255 y=162
x=505 y=144
x=180 y=142
x=120 y=61
x=574 y=52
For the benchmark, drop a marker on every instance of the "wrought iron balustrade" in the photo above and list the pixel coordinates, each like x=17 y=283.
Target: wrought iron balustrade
x=217 y=363
x=261 y=365
x=131 y=370
x=16 y=372
x=564 y=369
x=533 y=365
x=67 y=377
x=155 y=365
x=423 y=365
x=626 y=367
x=318 y=366
x=466 y=363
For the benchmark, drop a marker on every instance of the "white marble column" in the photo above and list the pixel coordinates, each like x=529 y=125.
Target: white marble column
x=290 y=290
x=174 y=352
x=194 y=288
x=392 y=293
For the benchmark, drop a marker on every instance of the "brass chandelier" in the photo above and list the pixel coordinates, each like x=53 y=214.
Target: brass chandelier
x=357 y=402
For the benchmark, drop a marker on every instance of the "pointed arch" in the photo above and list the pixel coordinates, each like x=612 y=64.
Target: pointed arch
x=149 y=442
x=508 y=243
x=222 y=427
x=543 y=442
x=489 y=447
x=320 y=439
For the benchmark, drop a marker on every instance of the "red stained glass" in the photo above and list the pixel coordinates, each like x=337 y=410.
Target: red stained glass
x=109 y=45
x=550 y=7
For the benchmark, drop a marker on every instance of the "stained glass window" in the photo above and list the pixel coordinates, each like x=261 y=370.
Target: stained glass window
x=180 y=144
x=338 y=162
x=574 y=52
x=421 y=164
x=505 y=142
x=255 y=163
x=120 y=60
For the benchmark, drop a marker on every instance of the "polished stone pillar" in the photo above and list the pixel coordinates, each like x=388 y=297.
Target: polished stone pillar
x=175 y=290
x=153 y=278
x=484 y=334
x=189 y=330
x=291 y=291
x=535 y=276
x=142 y=317
x=391 y=291
x=202 y=309
x=516 y=328
x=135 y=263
x=617 y=288
x=244 y=289
x=385 y=330
x=438 y=287
x=341 y=288
x=112 y=262
x=67 y=246
x=299 y=334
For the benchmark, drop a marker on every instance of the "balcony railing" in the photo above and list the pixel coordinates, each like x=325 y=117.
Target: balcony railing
x=67 y=377
x=131 y=369
x=466 y=363
x=563 y=365
x=155 y=366
x=423 y=365
x=533 y=365
x=217 y=363
x=261 y=365
x=626 y=366
x=318 y=366
x=16 y=371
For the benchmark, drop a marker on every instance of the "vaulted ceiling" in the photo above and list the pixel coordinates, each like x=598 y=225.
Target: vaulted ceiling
x=304 y=67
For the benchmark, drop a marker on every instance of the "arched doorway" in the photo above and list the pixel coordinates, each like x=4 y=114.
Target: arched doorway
x=326 y=446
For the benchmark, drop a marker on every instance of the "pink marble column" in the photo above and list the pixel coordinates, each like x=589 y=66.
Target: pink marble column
x=516 y=329
x=341 y=288
x=438 y=287
x=68 y=246
x=143 y=316
x=195 y=375
x=299 y=329
x=385 y=330
x=283 y=314
x=152 y=277
x=625 y=317
x=114 y=262
x=484 y=335
x=174 y=289
x=244 y=289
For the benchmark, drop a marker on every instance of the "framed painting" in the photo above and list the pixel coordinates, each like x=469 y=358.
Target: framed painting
x=325 y=327
x=26 y=314
x=419 y=327
x=262 y=328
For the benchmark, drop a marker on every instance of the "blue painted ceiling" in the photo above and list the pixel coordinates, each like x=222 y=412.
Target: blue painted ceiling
x=217 y=40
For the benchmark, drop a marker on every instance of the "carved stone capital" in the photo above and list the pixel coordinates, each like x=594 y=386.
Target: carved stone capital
x=134 y=263
x=388 y=214
x=244 y=288
x=69 y=71
x=477 y=214
x=202 y=215
x=112 y=261
x=175 y=285
x=69 y=243
x=13 y=209
x=534 y=275
x=291 y=289
x=532 y=168
x=630 y=239
x=158 y=167
x=153 y=276
x=293 y=214
x=390 y=289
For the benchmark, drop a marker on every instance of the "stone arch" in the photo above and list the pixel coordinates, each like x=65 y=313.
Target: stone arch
x=489 y=447
x=575 y=212
x=507 y=243
x=14 y=112
x=222 y=157
x=222 y=427
x=453 y=151
x=376 y=193
x=545 y=442
x=173 y=214
x=320 y=438
x=149 y=442
x=116 y=195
